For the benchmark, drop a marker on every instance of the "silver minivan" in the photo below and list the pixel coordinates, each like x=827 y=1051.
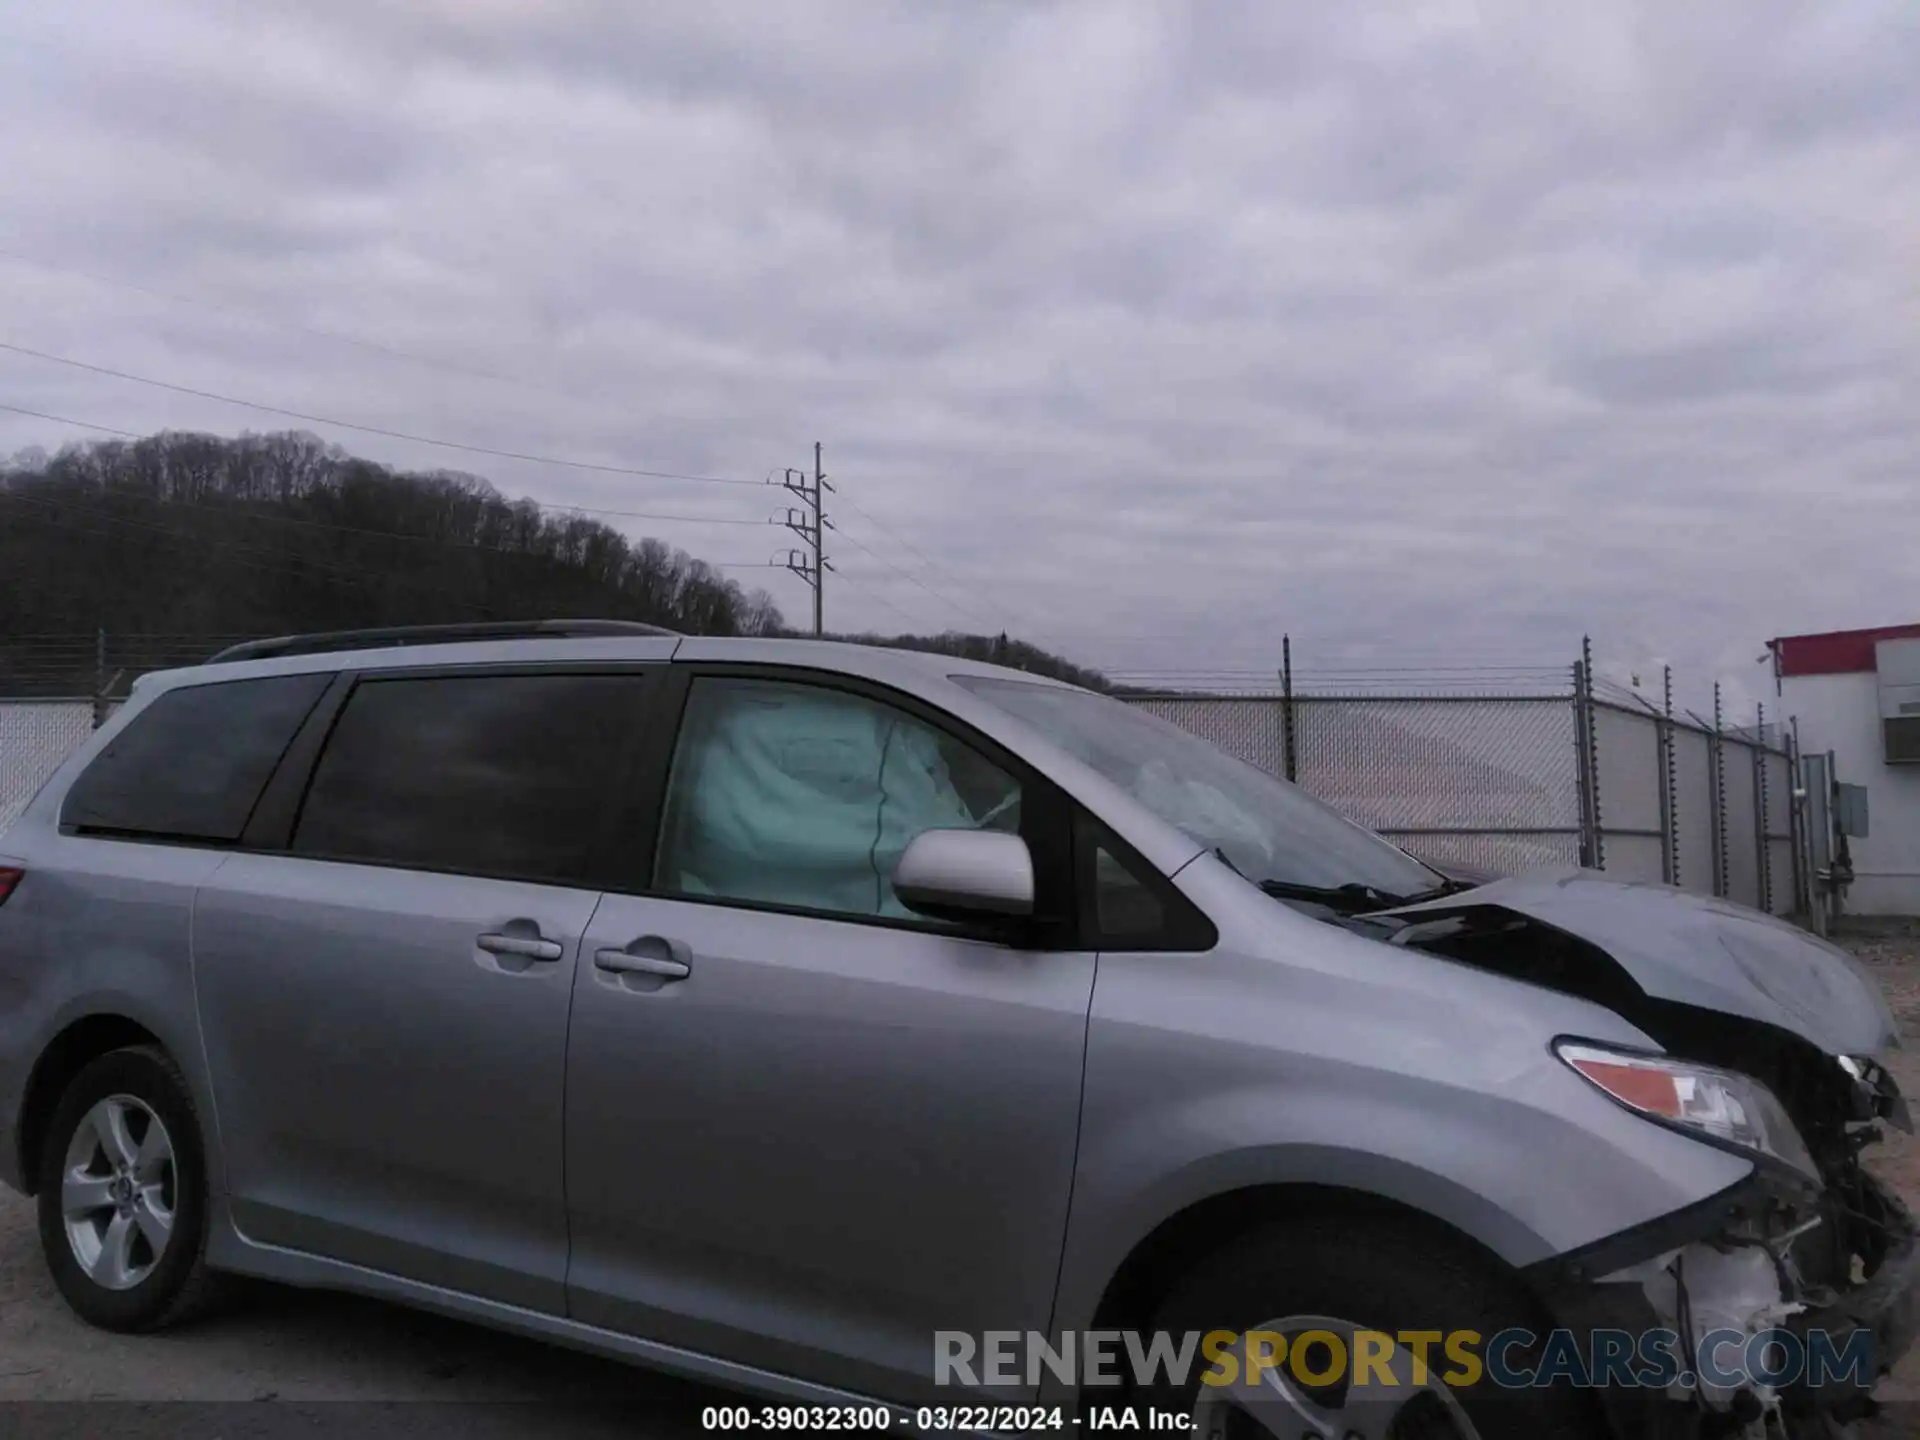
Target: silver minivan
x=924 y=1042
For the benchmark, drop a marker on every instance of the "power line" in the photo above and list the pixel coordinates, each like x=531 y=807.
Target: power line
x=65 y=420
x=910 y=577
x=582 y=509
x=908 y=545
x=542 y=504
x=293 y=327
x=642 y=514
x=369 y=429
x=854 y=578
x=238 y=509
x=898 y=539
x=336 y=569
x=414 y=357
x=338 y=337
x=545 y=505
x=349 y=572
x=1008 y=619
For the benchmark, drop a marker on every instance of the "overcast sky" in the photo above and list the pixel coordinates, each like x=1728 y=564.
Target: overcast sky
x=1438 y=332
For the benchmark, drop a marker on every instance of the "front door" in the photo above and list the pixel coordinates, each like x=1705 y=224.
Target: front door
x=385 y=1004
x=805 y=1129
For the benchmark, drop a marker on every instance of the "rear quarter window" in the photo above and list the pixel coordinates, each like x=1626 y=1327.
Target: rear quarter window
x=191 y=766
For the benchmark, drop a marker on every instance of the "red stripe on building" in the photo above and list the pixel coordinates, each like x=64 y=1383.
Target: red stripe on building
x=1838 y=652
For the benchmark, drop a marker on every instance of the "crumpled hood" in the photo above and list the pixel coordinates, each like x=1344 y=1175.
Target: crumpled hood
x=1694 y=950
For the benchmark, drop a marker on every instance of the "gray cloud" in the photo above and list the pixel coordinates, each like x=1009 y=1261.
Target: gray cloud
x=1448 y=330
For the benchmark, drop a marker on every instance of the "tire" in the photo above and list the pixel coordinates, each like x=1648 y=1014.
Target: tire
x=1373 y=1274
x=126 y=1243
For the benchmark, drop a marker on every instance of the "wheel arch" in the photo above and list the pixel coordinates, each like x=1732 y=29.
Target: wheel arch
x=1205 y=1226
x=70 y=1051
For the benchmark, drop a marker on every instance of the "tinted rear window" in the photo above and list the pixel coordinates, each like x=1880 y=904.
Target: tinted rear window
x=191 y=765
x=480 y=774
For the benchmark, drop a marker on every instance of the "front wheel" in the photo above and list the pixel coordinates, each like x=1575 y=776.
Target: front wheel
x=1314 y=1295
x=123 y=1194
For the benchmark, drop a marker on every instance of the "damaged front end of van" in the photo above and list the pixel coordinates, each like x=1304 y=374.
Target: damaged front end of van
x=1772 y=1044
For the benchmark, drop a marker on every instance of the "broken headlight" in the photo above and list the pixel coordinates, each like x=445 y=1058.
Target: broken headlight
x=1721 y=1106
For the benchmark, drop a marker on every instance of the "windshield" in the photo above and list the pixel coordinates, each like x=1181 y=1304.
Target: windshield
x=1266 y=829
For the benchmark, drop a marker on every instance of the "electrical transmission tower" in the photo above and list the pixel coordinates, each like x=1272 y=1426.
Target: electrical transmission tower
x=811 y=525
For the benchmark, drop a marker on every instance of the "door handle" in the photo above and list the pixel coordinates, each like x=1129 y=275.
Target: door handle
x=527 y=947
x=626 y=962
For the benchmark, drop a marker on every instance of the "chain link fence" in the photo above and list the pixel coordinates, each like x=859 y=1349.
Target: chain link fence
x=1707 y=810
x=35 y=736
x=1487 y=783
x=1509 y=783
x=1501 y=782
x=55 y=690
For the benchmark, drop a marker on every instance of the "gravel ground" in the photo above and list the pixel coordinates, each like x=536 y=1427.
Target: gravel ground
x=1896 y=962
x=410 y=1372
x=401 y=1372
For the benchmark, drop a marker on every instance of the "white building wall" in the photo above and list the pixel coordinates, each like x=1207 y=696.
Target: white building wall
x=1841 y=713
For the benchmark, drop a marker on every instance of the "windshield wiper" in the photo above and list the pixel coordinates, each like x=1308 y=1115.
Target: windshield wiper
x=1348 y=899
x=1439 y=892
x=1351 y=898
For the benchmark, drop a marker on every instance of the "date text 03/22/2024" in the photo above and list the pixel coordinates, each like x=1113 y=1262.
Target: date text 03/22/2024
x=959 y=1419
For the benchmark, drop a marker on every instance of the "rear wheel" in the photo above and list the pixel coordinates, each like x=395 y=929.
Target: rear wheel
x=123 y=1194
x=1325 y=1287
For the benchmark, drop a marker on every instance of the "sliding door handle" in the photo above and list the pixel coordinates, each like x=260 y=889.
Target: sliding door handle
x=642 y=962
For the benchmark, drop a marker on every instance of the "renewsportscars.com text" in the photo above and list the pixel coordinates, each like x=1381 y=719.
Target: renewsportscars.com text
x=1508 y=1359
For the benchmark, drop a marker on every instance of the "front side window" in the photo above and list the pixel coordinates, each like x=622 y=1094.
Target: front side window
x=191 y=766
x=785 y=793
x=501 y=775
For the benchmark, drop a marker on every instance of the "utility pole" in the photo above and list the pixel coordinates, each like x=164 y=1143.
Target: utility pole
x=811 y=525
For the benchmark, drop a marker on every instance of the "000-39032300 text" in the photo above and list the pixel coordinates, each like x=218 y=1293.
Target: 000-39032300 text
x=846 y=1418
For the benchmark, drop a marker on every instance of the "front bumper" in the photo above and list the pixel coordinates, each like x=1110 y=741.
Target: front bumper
x=1862 y=1328
x=1596 y=1289
x=1884 y=1308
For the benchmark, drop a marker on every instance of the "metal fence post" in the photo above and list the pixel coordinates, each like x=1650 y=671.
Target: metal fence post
x=1583 y=768
x=1593 y=758
x=1717 y=764
x=1289 y=755
x=1669 y=786
x=1765 y=853
x=100 y=677
x=1796 y=817
x=1585 y=810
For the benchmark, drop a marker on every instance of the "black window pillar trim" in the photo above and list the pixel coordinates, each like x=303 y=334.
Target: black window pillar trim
x=1187 y=927
x=270 y=826
x=622 y=858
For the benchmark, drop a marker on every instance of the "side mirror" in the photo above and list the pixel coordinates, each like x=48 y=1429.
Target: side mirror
x=965 y=875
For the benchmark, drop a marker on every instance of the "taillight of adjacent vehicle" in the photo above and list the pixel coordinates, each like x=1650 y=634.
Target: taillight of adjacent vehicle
x=10 y=878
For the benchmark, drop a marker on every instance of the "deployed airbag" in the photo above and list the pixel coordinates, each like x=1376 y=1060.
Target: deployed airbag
x=795 y=795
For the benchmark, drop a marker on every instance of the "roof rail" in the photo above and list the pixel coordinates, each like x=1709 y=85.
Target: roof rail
x=323 y=641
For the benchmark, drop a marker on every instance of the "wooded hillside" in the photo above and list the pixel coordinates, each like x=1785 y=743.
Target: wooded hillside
x=162 y=541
